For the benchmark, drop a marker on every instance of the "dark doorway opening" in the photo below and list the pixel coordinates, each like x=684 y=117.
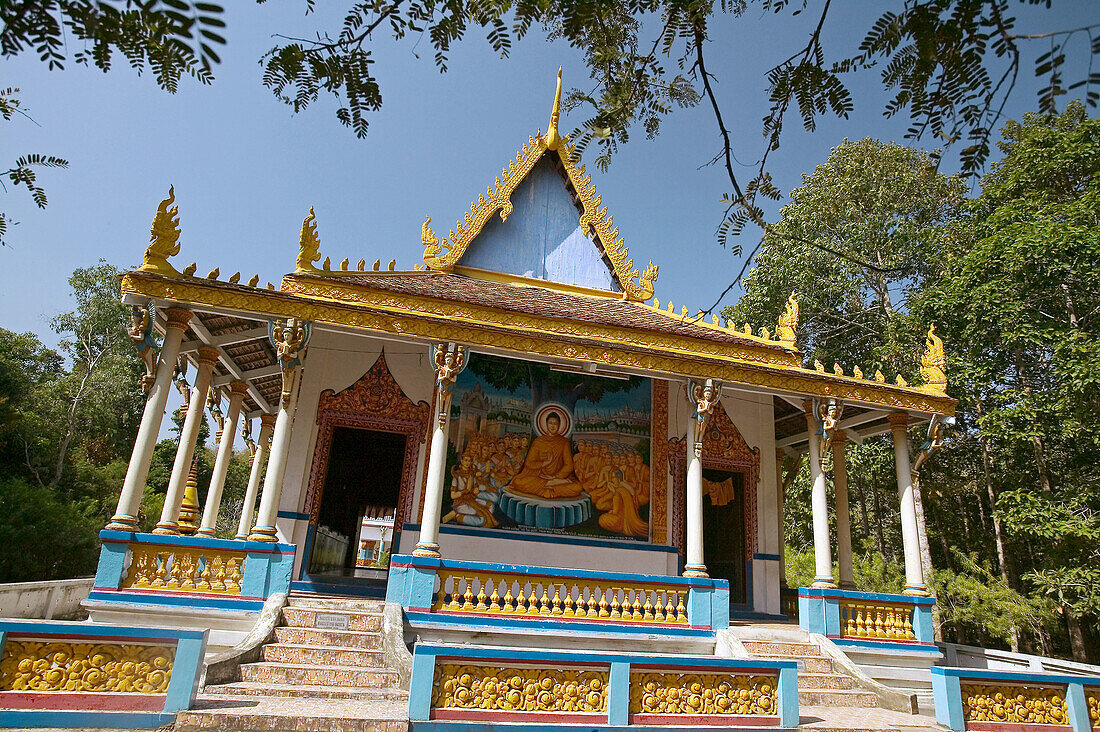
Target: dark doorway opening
x=355 y=528
x=724 y=530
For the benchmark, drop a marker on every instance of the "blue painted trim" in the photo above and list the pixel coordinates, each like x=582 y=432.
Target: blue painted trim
x=947 y=700
x=528 y=570
x=420 y=686
x=252 y=547
x=1026 y=676
x=618 y=694
x=97 y=630
x=872 y=596
x=767 y=557
x=307 y=552
x=293 y=515
x=1077 y=708
x=787 y=688
x=643 y=660
x=182 y=688
x=440 y=620
x=437 y=725
x=370 y=592
x=753 y=615
x=549 y=538
x=37 y=718
x=174 y=601
x=886 y=645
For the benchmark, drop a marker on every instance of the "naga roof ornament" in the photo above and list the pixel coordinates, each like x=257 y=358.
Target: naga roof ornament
x=164 y=237
x=788 y=323
x=443 y=255
x=933 y=364
x=309 y=244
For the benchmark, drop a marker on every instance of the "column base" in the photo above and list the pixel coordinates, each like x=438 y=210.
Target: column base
x=208 y=533
x=240 y=537
x=696 y=570
x=824 y=583
x=426 y=549
x=916 y=590
x=847 y=585
x=122 y=522
x=167 y=528
x=263 y=533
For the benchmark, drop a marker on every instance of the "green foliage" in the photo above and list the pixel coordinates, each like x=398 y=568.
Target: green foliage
x=23 y=173
x=33 y=523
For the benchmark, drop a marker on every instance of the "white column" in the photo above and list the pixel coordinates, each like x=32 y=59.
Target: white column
x=914 y=576
x=189 y=434
x=694 y=565
x=450 y=360
x=780 y=502
x=823 y=554
x=129 y=502
x=263 y=442
x=237 y=391
x=843 y=516
x=264 y=529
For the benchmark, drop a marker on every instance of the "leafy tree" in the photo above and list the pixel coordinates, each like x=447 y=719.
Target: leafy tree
x=33 y=522
x=22 y=172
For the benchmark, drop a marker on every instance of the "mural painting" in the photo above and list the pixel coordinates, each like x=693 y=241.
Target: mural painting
x=536 y=449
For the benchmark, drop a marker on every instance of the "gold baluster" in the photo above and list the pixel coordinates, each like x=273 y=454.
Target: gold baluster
x=879 y=630
x=591 y=607
x=544 y=601
x=616 y=613
x=454 y=604
x=142 y=569
x=568 y=602
x=556 y=602
x=509 y=601
x=647 y=608
x=681 y=611
x=603 y=603
x=218 y=585
x=848 y=621
x=481 y=606
x=861 y=621
x=468 y=596
x=636 y=608
x=162 y=569
x=441 y=596
x=909 y=627
x=494 y=599
x=670 y=611
x=533 y=600
x=204 y=576
x=658 y=605
x=192 y=572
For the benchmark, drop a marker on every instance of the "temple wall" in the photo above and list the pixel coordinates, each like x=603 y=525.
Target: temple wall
x=335 y=361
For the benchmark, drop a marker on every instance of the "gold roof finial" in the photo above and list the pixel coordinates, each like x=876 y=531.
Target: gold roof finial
x=309 y=244
x=552 y=137
x=164 y=237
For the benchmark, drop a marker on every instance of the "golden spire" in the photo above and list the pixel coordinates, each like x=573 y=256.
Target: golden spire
x=552 y=138
x=189 y=509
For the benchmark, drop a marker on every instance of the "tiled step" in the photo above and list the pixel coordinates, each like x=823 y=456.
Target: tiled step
x=322 y=656
x=244 y=714
x=783 y=649
x=316 y=691
x=837 y=698
x=329 y=638
x=805 y=665
x=324 y=602
x=824 y=681
x=358 y=620
x=286 y=673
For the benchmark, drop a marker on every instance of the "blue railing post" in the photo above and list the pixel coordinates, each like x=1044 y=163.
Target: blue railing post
x=1077 y=709
x=618 y=694
x=112 y=558
x=420 y=687
x=787 y=694
x=182 y=688
x=947 y=696
x=922 y=623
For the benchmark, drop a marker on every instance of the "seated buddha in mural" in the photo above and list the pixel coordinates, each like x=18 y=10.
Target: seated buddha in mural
x=548 y=468
x=471 y=505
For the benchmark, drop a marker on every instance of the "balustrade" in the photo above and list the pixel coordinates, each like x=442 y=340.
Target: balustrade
x=584 y=599
x=189 y=569
x=876 y=620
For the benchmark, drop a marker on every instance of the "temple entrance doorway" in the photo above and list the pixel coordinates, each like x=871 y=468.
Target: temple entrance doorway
x=356 y=528
x=724 y=530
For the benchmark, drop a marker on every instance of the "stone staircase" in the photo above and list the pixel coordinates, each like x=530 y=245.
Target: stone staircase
x=311 y=678
x=820 y=684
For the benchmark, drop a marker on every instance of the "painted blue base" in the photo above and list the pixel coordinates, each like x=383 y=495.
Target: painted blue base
x=39 y=718
x=545 y=514
x=511 y=535
x=370 y=589
x=212 y=602
x=590 y=628
x=450 y=726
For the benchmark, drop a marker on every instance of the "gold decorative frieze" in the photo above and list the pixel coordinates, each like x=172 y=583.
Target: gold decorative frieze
x=1092 y=701
x=1014 y=704
x=519 y=689
x=32 y=665
x=526 y=335
x=670 y=693
x=187 y=569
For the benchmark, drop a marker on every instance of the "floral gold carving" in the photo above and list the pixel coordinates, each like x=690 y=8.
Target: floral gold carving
x=31 y=665
x=164 y=237
x=1092 y=701
x=519 y=689
x=667 y=693
x=1014 y=704
x=658 y=509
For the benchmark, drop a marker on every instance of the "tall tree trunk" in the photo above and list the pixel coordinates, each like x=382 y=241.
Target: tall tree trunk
x=1076 y=636
x=879 y=534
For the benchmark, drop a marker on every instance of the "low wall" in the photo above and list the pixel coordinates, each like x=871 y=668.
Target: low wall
x=50 y=600
x=1011 y=701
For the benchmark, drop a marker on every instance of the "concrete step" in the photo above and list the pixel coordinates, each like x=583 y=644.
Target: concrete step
x=329 y=638
x=357 y=620
x=824 y=681
x=286 y=714
x=783 y=650
x=321 y=655
x=805 y=665
x=329 y=602
x=315 y=691
x=839 y=719
x=837 y=698
x=287 y=673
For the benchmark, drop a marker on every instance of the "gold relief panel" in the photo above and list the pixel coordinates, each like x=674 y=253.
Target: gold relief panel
x=1092 y=701
x=1014 y=704
x=462 y=686
x=31 y=665
x=663 y=693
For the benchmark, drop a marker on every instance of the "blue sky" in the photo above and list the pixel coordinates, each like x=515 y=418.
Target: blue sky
x=246 y=169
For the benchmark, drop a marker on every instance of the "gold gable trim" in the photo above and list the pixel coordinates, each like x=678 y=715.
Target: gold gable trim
x=443 y=255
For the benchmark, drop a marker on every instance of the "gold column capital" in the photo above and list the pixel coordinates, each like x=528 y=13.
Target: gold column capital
x=179 y=318
x=898 y=420
x=267 y=420
x=238 y=387
x=208 y=356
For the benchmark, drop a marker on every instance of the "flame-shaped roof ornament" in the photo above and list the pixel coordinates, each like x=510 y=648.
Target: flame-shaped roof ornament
x=552 y=137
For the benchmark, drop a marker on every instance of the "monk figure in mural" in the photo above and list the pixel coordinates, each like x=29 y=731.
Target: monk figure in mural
x=548 y=468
